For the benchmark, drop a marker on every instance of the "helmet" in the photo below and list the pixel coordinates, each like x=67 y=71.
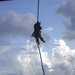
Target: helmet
x=38 y=22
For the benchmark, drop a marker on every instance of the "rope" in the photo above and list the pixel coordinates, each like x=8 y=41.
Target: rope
x=37 y=43
x=41 y=59
x=38 y=11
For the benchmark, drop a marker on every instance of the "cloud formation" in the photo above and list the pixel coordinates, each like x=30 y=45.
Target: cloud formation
x=26 y=61
x=13 y=23
x=67 y=9
x=62 y=59
x=49 y=29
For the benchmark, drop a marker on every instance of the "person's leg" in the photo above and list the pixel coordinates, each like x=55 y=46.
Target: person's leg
x=41 y=38
x=37 y=40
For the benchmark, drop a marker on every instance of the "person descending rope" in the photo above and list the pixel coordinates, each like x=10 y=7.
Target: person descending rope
x=37 y=32
x=37 y=35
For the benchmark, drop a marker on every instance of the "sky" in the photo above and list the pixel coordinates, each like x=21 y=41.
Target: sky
x=18 y=50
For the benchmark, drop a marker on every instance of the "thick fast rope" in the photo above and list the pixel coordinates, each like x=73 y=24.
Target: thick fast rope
x=38 y=11
x=37 y=43
x=41 y=60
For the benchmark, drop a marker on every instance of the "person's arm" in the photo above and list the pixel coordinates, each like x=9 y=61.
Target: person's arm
x=40 y=27
x=33 y=34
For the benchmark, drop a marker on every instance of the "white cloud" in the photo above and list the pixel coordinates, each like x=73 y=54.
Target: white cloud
x=24 y=61
x=4 y=49
x=28 y=62
x=49 y=29
x=14 y=26
x=13 y=23
x=33 y=60
x=67 y=9
x=63 y=59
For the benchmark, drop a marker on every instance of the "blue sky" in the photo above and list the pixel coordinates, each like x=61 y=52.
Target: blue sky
x=18 y=49
x=48 y=16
